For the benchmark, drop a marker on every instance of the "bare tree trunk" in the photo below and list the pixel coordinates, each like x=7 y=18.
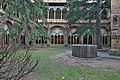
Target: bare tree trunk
x=98 y=27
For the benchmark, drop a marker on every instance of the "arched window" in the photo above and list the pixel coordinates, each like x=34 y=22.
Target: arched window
x=57 y=36
x=87 y=39
x=90 y=40
x=64 y=12
x=104 y=36
x=58 y=13
x=73 y=38
x=51 y=13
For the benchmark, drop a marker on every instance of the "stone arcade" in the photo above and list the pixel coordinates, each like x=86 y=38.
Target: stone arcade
x=61 y=34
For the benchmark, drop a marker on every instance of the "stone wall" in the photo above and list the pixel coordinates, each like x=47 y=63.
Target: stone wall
x=115 y=24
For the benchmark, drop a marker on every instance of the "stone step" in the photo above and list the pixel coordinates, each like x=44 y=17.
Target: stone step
x=102 y=50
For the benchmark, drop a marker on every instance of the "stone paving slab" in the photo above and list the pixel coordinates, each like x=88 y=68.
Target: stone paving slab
x=106 y=55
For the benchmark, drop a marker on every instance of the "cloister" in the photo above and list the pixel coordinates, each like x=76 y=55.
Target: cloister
x=60 y=33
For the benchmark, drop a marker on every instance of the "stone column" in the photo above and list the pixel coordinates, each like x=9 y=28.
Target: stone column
x=73 y=39
x=54 y=15
x=70 y=39
x=66 y=36
x=48 y=14
x=81 y=39
x=108 y=40
x=87 y=40
x=60 y=39
x=57 y=39
x=61 y=14
x=53 y=39
x=115 y=23
x=49 y=41
x=76 y=39
x=94 y=39
x=65 y=39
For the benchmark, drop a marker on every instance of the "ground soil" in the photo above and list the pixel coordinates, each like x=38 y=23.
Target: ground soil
x=101 y=63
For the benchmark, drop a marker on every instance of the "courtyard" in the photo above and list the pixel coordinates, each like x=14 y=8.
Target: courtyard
x=56 y=63
x=39 y=39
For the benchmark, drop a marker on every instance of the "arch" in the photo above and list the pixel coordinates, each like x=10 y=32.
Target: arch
x=57 y=26
x=64 y=12
x=71 y=27
x=103 y=31
x=104 y=35
x=57 y=31
x=43 y=37
x=51 y=13
x=72 y=38
x=87 y=39
x=72 y=31
x=90 y=39
x=58 y=13
x=57 y=36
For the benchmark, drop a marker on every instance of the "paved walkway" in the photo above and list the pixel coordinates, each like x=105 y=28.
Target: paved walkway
x=102 y=62
x=106 y=55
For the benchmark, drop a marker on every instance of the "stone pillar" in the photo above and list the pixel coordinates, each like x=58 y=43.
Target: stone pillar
x=66 y=36
x=115 y=23
x=70 y=40
x=57 y=39
x=76 y=39
x=65 y=39
x=81 y=39
x=60 y=39
x=61 y=14
x=73 y=39
x=49 y=40
x=108 y=40
x=94 y=39
x=53 y=39
x=119 y=42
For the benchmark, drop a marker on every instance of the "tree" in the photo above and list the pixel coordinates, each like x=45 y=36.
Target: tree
x=15 y=65
x=24 y=13
x=85 y=11
x=98 y=21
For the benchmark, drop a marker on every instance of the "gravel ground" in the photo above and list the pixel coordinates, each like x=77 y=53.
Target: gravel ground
x=102 y=63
